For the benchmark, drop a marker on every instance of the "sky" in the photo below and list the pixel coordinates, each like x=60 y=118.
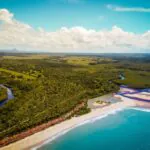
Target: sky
x=75 y=25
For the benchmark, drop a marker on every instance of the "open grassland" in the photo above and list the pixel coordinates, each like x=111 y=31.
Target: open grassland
x=75 y=60
x=136 y=79
x=15 y=74
x=86 y=60
x=101 y=68
x=27 y=57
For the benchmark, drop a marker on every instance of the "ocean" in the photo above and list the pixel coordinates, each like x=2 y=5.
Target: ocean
x=128 y=129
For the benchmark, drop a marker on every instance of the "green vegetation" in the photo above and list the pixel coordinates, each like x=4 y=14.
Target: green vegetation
x=100 y=102
x=15 y=74
x=137 y=75
x=137 y=79
x=76 y=60
x=86 y=60
x=27 y=57
x=83 y=111
x=3 y=94
x=48 y=88
x=58 y=89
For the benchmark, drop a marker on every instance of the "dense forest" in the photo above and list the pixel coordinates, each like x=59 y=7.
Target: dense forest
x=46 y=88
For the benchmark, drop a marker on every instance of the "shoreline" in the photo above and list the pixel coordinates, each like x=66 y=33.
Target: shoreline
x=45 y=136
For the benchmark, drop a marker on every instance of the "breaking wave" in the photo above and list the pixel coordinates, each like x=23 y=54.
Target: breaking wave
x=141 y=109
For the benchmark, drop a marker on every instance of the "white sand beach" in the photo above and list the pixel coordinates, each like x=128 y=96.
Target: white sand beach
x=37 y=139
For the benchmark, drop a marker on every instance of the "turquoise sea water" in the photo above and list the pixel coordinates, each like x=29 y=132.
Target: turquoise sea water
x=126 y=130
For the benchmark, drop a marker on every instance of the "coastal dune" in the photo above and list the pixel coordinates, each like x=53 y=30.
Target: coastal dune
x=36 y=140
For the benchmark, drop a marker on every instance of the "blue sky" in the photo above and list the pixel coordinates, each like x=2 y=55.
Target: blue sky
x=53 y=14
x=75 y=25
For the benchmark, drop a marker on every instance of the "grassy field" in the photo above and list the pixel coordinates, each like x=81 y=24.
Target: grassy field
x=17 y=74
x=86 y=60
x=27 y=57
x=75 y=60
x=136 y=79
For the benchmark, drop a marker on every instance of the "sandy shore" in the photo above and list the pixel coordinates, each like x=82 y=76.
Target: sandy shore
x=51 y=132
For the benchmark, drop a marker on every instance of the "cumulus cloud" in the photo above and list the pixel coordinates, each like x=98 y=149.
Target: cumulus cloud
x=128 y=9
x=15 y=34
x=6 y=16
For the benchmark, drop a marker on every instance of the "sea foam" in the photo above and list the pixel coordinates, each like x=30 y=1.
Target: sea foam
x=141 y=109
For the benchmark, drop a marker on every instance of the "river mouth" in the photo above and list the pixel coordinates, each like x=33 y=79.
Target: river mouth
x=141 y=97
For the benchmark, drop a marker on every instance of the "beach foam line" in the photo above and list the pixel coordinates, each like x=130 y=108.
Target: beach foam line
x=141 y=109
x=91 y=120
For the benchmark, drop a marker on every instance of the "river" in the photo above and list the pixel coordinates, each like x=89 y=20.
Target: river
x=9 y=95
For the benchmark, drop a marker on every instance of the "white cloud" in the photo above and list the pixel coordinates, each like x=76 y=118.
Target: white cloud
x=15 y=34
x=6 y=16
x=128 y=9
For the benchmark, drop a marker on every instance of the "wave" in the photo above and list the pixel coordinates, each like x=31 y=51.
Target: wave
x=113 y=112
x=91 y=120
x=141 y=109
